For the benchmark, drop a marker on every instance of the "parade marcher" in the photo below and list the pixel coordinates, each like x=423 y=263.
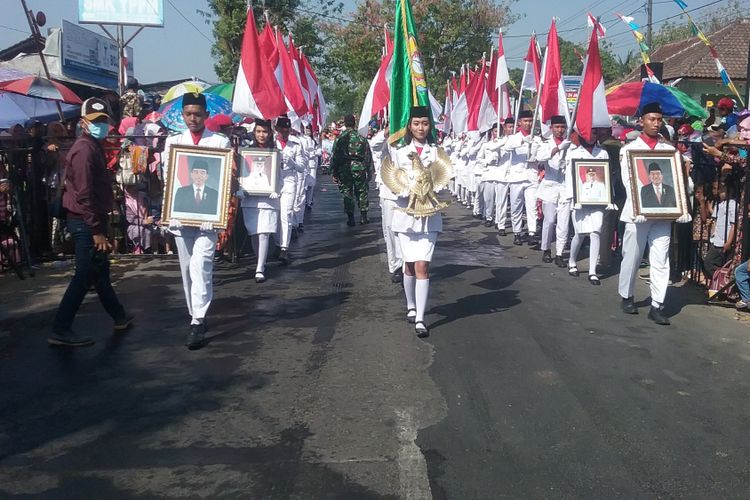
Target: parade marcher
x=490 y=177
x=380 y=150
x=352 y=169
x=88 y=199
x=293 y=161
x=640 y=231
x=261 y=213
x=308 y=150
x=417 y=221
x=502 y=177
x=554 y=192
x=195 y=245
x=312 y=171
x=587 y=220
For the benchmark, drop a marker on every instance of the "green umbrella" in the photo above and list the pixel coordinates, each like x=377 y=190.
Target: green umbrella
x=225 y=90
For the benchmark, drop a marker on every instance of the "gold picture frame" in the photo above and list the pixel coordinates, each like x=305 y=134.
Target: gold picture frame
x=198 y=172
x=258 y=171
x=592 y=184
x=657 y=184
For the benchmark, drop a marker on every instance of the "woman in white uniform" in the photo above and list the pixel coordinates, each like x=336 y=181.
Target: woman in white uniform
x=416 y=235
x=260 y=212
x=587 y=220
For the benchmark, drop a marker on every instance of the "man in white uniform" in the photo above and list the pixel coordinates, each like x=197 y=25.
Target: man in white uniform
x=312 y=175
x=380 y=149
x=195 y=245
x=552 y=191
x=639 y=230
x=293 y=164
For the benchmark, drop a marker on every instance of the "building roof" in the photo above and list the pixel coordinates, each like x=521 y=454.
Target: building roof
x=691 y=58
x=25 y=46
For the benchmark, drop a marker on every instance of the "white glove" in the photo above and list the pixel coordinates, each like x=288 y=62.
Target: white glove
x=240 y=194
x=611 y=206
x=564 y=145
x=207 y=226
x=639 y=219
x=274 y=196
x=577 y=206
x=527 y=139
x=684 y=219
x=174 y=224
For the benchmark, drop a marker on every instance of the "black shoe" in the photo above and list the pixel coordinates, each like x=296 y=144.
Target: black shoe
x=594 y=280
x=350 y=220
x=655 y=315
x=573 y=271
x=397 y=276
x=501 y=232
x=532 y=240
x=410 y=318
x=308 y=208
x=524 y=237
x=547 y=257
x=295 y=234
x=421 y=330
x=517 y=240
x=477 y=216
x=284 y=257
x=488 y=223
x=628 y=306
x=363 y=218
x=68 y=338
x=260 y=278
x=124 y=323
x=196 y=337
x=559 y=262
x=301 y=228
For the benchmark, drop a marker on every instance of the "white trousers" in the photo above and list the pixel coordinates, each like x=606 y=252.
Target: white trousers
x=478 y=207
x=657 y=234
x=286 y=214
x=310 y=182
x=392 y=245
x=488 y=195
x=557 y=215
x=299 y=200
x=575 y=246
x=529 y=196
x=516 y=190
x=195 y=249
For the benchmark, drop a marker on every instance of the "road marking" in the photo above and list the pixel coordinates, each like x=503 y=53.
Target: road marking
x=412 y=466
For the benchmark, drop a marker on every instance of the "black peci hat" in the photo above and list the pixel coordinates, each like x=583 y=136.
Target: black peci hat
x=419 y=112
x=509 y=121
x=653 y=166
x=651 y=107
x=263 y=123
x=283 y=122
x=193 y=99
x=526 y=113
x=558 y=120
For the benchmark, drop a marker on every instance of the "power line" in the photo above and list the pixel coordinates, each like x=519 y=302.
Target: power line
x=188 y=21
x=12 y=29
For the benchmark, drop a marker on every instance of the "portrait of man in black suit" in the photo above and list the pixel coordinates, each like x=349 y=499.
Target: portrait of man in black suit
x=197 y=197
x=656 y=194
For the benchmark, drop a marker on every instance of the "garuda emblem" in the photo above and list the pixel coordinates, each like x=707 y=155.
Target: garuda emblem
x=421 y=183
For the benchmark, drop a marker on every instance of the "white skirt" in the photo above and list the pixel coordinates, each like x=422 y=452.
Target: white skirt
x=417 y=246
x=260 y=220
x=588 y=220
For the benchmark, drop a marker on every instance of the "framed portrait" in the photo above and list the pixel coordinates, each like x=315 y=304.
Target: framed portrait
x=592 y=184
x=258 y=172
x=657 y=182
x=198 y=185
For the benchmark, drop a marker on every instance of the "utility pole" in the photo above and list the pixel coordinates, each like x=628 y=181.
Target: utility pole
x=649 y=31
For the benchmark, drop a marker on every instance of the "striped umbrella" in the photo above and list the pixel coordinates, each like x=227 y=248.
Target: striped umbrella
x=42 y=88
x=172 y=111
x=183 y=88
x=628 y=99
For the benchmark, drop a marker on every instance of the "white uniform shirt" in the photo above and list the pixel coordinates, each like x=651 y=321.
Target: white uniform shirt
x=380 y=149
x=523 y=165
x=403 y=222
x=637 y=145
x=552 y=186
x=293 y=158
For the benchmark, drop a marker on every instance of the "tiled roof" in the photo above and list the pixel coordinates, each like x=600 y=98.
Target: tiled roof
x=691 y=58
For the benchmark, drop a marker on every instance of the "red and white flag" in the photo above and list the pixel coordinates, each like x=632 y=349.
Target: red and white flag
x=256 y=92
x=289 y=83
x=460 y=116
x=482 y=114
x=379 y=93
x=553 y=100
x=592 y=101
x=267 y=42
x=497 y=83
x=594 y=23
x=532 y=67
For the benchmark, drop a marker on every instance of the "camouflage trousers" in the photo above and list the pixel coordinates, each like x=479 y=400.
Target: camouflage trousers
x=354 y=187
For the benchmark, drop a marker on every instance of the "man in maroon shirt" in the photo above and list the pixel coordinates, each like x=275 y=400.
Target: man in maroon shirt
x=88 y=199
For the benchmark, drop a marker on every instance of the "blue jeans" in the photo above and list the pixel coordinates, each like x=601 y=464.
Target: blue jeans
x=741 y=277
x=92 y=268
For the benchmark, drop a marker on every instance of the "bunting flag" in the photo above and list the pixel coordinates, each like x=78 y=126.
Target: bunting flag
x=681 y=4
x=591 y=110
x=379 y=93
x=256 y=92
x=641 y=41
x=553 y=100
x=408 y=82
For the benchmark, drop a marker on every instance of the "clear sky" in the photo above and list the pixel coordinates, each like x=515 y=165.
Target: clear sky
x=183 y=47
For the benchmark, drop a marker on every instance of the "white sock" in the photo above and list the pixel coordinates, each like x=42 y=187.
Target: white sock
x=409 y=286
x=422 y=292
x=594 y=243
x=261 y=251
x=575 y=246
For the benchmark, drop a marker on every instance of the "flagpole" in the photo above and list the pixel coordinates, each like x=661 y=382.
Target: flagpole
x=539 y=93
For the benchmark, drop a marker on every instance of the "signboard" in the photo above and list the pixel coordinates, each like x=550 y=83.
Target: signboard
x=132 y=12
x=572 y=88
x=90 y=57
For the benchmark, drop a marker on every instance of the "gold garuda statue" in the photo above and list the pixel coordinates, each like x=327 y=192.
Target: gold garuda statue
x=421 y=183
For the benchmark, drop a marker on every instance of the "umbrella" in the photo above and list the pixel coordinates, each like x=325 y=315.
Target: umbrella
x=36 y=86
x=628 y=98
x=17 y=108
x=183 y=88
x=172 y=111
x=225 y=90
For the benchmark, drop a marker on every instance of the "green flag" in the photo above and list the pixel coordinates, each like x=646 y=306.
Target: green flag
x=408 y=82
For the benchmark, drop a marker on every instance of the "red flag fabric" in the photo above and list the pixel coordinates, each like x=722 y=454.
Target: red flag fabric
x=379 y=93
x=553 y=100
x=289 y=83
x=592 y=100
x=532 y=67
x=256 y=92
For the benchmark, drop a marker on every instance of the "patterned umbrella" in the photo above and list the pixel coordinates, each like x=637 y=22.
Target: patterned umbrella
x=183 y=88
x=225 y=90
x=172 y=111
x=627 y=99
x=42 y=88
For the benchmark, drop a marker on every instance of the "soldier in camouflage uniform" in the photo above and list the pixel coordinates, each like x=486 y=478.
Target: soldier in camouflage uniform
x=130 y=101
x=352 y=169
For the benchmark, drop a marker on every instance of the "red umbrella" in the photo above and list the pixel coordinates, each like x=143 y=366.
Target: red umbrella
x=36 y=86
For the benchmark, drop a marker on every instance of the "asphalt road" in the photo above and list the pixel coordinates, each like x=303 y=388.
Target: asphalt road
x=532 y=384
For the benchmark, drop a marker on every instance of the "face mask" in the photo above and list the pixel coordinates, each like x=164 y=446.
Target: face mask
x=98 y=130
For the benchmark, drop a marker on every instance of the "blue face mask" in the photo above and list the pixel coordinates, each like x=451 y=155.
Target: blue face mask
x=98 y=130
